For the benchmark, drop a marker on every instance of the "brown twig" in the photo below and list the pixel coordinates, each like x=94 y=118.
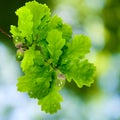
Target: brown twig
x=6 y=34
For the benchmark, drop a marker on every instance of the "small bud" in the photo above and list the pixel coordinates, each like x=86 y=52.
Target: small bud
x=19 y=45
x=61 y=76
x=19 y=54
x=60 y=82
x=17 y=42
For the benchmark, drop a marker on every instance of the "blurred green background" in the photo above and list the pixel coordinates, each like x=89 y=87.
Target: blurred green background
x=98 y=19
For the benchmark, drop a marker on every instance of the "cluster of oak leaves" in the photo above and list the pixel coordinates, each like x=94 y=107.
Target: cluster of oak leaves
x=49 y=55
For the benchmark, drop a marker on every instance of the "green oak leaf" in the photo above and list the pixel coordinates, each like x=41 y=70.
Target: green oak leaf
x=55 y=22
x=25 y=23
x=51 y=102
x=77 y=48
x=55 y=44
x=41 y=14
x=31 y=57
x=66 y=32
x=38 y=11
x=80 y=71
x=36 y=82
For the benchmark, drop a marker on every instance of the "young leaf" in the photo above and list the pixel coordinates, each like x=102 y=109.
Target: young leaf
x=55 y=23
x=36 y=82
x=51 y=103
x=15 y=31
x=55 y=44
x=66 y=32
x=31 y=57
x=41 y=14
x=77 y=48
x=25 y=23
x=38 y=11
x=81 y=72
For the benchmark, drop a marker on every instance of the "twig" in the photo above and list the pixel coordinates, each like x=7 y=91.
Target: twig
x=6 y=34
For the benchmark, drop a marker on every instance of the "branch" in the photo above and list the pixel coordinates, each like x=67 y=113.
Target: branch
x=6 y=34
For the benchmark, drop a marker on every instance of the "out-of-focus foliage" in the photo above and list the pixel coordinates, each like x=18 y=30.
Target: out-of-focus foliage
x=111 y=18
